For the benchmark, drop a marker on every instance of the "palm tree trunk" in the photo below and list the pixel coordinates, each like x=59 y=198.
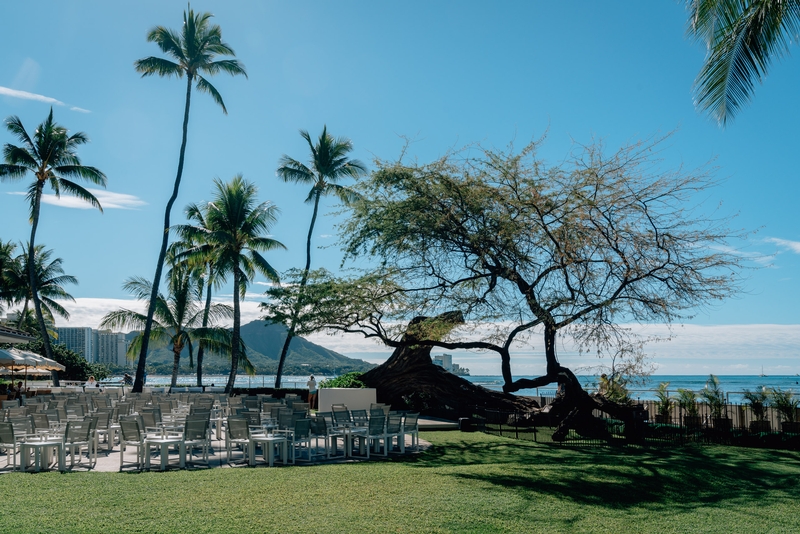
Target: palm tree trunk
x=23 y=313
x=176 y=358
x=37 y=306
x=201 y=348
x=139 y=383
x=296 y=311
x=236 y=336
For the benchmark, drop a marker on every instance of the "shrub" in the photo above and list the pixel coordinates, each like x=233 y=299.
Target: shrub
x=785 y=402
x=665 y=401
x=348 y=380
x=687 y=399
x=714 y=397
x=757 y=401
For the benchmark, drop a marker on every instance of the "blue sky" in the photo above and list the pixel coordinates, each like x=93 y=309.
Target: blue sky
x=443 y=73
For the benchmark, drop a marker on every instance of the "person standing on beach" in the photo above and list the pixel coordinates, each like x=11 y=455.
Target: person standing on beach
x=312 y=392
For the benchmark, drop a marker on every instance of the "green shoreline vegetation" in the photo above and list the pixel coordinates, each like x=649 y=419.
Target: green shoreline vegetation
x=463 y=483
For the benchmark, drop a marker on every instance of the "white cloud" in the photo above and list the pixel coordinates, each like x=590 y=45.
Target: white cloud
x=793 y=246
x=693 y=349
x=108 y=199
x=25 y=95
x=326 y=236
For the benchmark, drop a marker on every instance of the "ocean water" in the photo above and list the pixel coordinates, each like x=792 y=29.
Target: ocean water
x=732 y=385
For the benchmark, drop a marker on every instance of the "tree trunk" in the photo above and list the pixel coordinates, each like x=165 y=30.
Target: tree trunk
x=176 y=359
x=236 y=335
x=201 y=347
x=140 y=368
x=296 y=311
x=37 y=306
x=410 y=380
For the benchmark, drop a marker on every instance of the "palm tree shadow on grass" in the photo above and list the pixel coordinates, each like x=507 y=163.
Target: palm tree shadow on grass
x=679 y=479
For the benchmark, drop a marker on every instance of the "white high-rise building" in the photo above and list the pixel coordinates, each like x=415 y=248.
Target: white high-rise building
x=78 y=340
x=109 y=347
x=444 y=360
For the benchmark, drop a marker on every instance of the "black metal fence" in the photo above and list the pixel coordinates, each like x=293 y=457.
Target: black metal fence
x=737 y=426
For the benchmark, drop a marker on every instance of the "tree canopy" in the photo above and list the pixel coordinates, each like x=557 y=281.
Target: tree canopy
x=509 y=244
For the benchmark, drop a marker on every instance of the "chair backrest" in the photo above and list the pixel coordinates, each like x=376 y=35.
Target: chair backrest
x=156 y=411
x=124 y=408
x=198 y=417
x=327 y=417
x=76 y=410
x=376 y=424
x=410 y=422
x=92 y=420
x=318 y=426
x=103 y=419
x=359 y=417
x=9 y=403
x=394 y=423
x=251 y=404
x=302 y=429
x=41 y=421
x=22 y=425
x=78 y=431
x=201 y=413
x=237 y=428
x=376 y=412
x=6 y=434
x=195 y=429
x=341 y=417
x=166 y=407
x=253 y=418
x=148 y=418
x=130 y=429
x=285 y=419
x=52 y=415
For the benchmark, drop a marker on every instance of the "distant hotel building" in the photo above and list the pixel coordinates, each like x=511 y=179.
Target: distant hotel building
x=95 y=346
x=109 y=347
x=78 y=340
x=446 y=361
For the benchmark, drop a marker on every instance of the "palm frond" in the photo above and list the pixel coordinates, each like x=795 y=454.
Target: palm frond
x=204 y=86
x=79 y=192
x=231 y=66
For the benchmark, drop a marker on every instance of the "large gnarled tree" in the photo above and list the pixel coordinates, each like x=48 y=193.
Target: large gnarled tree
x=514 y=246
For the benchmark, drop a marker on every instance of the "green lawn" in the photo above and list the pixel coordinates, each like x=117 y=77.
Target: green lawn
x=465 y=483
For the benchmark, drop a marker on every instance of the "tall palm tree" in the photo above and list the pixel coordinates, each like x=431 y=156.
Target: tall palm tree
x=50 y=281
x=327 y=165
x=177 y=318
x=50 y=156
x=7 y=261
x=204 y=265
x=194 y=50
x=742 y=36
x=235 y=233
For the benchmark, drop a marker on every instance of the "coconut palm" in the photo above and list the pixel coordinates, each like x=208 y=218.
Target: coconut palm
x=50 y=281
x=203 y=264
x=176 y=320
x=7 y=260
x=328 y=164
x=235 y=233
x=194 y=50
x=50 y=156
x=742 y=38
